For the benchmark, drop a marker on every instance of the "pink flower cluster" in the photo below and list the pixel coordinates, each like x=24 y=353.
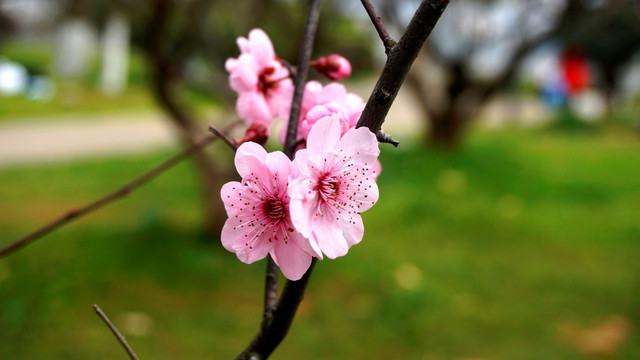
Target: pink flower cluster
x=265 y=90
x=311 y=206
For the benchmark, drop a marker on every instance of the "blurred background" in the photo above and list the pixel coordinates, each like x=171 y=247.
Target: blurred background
x=507 y=226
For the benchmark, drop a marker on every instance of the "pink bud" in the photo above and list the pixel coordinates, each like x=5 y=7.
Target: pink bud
x=258 y=132
x=335 y=67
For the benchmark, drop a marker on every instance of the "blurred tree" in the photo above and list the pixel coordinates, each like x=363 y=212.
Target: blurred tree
x=6 y=24
x=479 y=45
x=607 y=32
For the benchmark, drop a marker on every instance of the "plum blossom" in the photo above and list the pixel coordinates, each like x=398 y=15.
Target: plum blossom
x=259 y=217
x=335 y=67
x=335 y=185
x=263 y=84
x=319 y=102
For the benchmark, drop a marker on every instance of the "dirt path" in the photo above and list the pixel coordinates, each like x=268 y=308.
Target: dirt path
x=29 y=142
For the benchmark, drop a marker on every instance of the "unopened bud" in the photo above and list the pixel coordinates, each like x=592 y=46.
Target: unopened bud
x=335 y=67
x=258 y=132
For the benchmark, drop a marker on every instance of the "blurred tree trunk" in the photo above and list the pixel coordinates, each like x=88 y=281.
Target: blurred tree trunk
x=166 y=76
x=460 y=96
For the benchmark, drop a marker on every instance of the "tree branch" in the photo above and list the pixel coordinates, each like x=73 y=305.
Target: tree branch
x=270 y=293
x=387 y=40
x=115 y=332
x=277 y=318
x=109 y=198
x=398 y=63
x=301 y=75
x=266 y=341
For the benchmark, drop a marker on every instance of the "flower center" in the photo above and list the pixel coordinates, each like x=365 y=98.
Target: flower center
x=265 y=84
x=328 y=187
x=273 y=208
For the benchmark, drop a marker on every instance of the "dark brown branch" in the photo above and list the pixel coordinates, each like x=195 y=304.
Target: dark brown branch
x=266 y=341
x=301 y=76
x=277 y=319
x=398 y=64
x=270 y=293
x=387 y=40
x=109 y=198
x=115 y=332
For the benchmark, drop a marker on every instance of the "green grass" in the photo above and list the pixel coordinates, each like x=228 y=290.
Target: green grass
x=487 y=252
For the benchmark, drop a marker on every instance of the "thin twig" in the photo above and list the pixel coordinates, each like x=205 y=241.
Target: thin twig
x=277 y=319
x=398 y=63
x=292 y=69
x=109 y=198
x=387 y=40
x=115 y=332
x=223 y=137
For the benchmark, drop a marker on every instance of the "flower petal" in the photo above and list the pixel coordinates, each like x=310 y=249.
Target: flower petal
x=362 y=143
x=324 y=135
x=250 y=157
x=244 y=242
x=261 y=46
x=292 y=260
x=252 y=107
x=352 y=229
x=244 y=73
x=282 y=169
x=328 y=235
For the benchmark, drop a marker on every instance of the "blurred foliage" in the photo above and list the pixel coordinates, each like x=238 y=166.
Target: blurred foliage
x=36 y=56
x=517 y=246
x=202 y=35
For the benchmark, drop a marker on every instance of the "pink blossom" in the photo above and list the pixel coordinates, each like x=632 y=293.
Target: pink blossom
x=335 y=67
x=258 y=209
x=319 y=101
x=335 y=185
x=261 y=81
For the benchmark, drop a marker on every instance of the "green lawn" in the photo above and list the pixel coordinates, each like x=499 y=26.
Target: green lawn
x=521 y=245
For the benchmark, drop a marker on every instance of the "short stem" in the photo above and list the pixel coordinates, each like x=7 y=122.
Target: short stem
x=387 y=40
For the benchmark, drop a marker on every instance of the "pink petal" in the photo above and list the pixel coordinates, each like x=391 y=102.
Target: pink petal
x=292 y=260
x=362 y=143
x=368 y=197
x=282 y=168
x=233 y=239
x=279 y=99
x=250 y=158
x=300 y=214
x=231 y=64
x=243 y=44
x=303 y=163
x=352 y=229
x=310 y=96
x=252 y=106
x=230 y=198
x=244 y=76
x=333 y=92
x=328 y=235
x=261 y=46
x=376 y=169
x=324 y=135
